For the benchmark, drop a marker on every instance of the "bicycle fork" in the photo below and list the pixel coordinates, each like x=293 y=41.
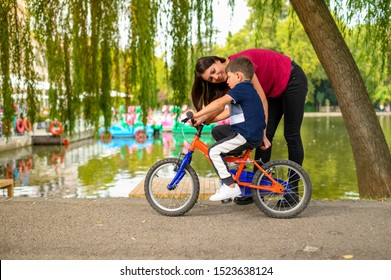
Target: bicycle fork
x=180 y=170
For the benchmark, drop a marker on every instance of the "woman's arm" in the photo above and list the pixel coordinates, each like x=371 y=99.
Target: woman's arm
x=261 y=93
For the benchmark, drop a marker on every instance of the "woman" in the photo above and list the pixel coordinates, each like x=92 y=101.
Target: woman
x=282 y=86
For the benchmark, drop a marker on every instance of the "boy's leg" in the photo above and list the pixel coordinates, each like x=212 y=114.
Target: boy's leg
x=275 y=115
x=234 y=142
x=221 y=131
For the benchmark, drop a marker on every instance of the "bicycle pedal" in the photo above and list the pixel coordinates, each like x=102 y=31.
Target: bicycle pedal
x=226 y=201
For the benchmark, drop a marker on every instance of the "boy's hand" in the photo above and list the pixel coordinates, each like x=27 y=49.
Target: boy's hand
x=193 y=112
x=195 y=120
x=199 y=120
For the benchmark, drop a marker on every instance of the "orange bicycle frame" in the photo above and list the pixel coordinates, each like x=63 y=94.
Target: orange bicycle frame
x=276 y=187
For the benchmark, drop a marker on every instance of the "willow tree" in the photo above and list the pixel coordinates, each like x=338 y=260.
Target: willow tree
x=181 y=45
x=77 y=37
x=51 y=30
x=79 y=53
x=109 y=32
x=48 y=21
x=177 y=20
x=140 y=61
x=6 y=86
x=80 y=39
x=370 y=150
x=16 y=61
x=92 y=78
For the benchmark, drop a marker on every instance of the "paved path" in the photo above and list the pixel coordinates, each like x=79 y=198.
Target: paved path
x=128 y=228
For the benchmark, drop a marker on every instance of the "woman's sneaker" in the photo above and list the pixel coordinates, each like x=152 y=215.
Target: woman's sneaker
x=225 y=192
x=243 y=200
x=288 y=200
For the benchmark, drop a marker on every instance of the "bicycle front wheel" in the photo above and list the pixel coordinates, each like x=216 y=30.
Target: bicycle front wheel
x=176 y=201
x=297 y=184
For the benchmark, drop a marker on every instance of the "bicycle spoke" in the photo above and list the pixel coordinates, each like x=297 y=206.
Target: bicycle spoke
x=297 y=192
x=180 y=198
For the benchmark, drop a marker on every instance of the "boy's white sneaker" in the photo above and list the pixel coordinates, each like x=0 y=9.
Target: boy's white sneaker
x=225 y=192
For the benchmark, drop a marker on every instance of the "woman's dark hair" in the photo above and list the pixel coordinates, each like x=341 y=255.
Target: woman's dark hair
x=204 y=92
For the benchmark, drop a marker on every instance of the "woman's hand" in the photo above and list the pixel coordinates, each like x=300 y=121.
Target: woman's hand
x=195 y=121
x=199 y=120
x=266 y=143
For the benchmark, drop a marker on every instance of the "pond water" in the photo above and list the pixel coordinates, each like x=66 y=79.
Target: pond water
x=92 y=169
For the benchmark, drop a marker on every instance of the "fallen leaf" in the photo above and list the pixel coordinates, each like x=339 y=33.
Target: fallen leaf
x=347 y=257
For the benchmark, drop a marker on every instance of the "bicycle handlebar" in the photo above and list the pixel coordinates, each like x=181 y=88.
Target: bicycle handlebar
x=189 y=116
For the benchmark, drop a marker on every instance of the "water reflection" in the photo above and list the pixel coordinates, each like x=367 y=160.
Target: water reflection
x=95 y=169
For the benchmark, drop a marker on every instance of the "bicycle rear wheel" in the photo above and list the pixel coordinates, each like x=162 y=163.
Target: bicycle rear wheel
x=298 y=189
x=181 y=198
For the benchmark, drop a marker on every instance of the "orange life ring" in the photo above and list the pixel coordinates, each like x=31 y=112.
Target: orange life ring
x=65 y=142
x=53 y=130
x=140 y=136
x=19 y=125
x=106 y=137
x=27 y=124
x=56 y=159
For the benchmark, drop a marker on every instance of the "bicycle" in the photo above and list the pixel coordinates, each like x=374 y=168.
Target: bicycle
x=172 y=185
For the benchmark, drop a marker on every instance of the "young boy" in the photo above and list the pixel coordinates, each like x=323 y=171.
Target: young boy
x=247 y=123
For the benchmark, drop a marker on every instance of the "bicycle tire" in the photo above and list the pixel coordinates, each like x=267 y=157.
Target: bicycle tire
x=294 y=200
x=174 y=202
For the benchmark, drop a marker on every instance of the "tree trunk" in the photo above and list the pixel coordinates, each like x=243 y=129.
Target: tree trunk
x=371 y=153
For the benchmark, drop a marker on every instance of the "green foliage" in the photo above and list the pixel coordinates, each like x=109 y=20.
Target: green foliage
x=6 y=87
x=17 y=63
x=180 y=26
x=79 y=54
x=108 y=31
x=182 y=16
x=84 y=62
x=299 y=48
x=372 y=23
x=287 y=35
x=30 y=75
x=376 y=77
x=278 y=35
x=141 y=72
x=68 y=99
x=260 y=10
x=162 y=81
